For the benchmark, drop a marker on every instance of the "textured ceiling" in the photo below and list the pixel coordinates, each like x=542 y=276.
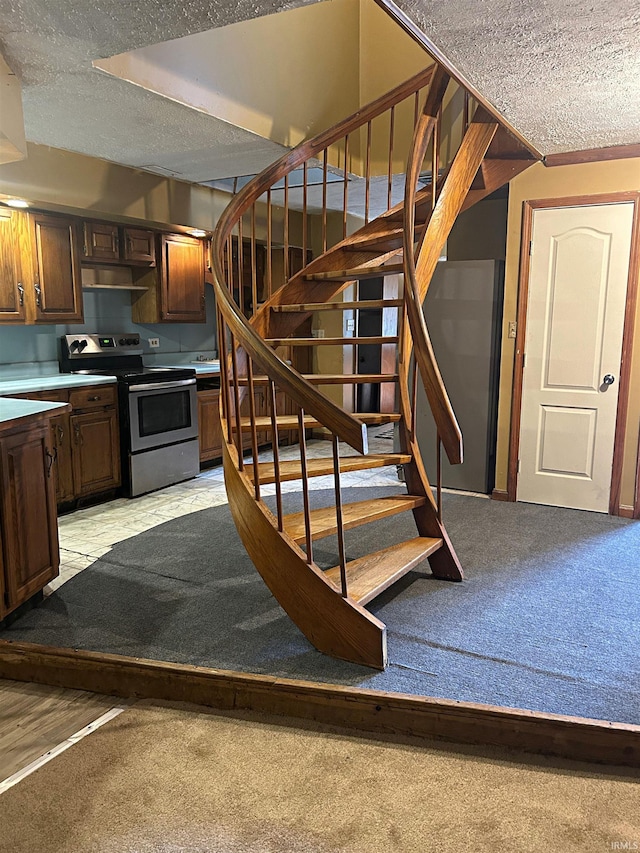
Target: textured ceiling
x=564 y=72
x=68 y=104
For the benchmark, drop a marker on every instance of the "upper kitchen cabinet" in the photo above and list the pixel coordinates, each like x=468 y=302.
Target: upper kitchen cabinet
x=101 y=242
x=12 y=302
x=40 y=279
x=139 y=246
x=175 y=290
x=54 y=275
x=182 y=278
x=109 y=243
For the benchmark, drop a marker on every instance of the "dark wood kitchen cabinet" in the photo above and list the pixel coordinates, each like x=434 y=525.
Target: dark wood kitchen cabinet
x=139 y=246
x=182 y=278
x=54 y=281
x=40 y=277
x=175 y=289
x=95 y=440
x=60 y=444
x=110 y=243
x=85 y=442
x=29 y=551
x=101 y=241
x=96 y=453
x=209 y=427
x=12 y=296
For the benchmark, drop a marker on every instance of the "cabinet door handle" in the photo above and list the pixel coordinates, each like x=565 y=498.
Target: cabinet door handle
x=38 y=291
x=20 y=293
x=60 y=432
x=51 y=457
x=76 y=430
x=94 y=398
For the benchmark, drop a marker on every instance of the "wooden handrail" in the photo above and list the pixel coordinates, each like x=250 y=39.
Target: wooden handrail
x=437 y=396
x=345 y=426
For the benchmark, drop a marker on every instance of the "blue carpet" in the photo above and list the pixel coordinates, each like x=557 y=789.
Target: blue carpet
x=547 y=619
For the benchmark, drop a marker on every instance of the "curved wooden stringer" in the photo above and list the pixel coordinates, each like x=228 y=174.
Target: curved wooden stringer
x=269 y=389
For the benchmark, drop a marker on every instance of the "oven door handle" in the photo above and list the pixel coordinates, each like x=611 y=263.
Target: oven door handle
x=159 y=386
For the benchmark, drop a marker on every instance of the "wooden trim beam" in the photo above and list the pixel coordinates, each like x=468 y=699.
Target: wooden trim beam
x=370 y=711
x=593 y=155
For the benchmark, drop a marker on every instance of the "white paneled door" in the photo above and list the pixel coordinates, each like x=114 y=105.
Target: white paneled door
x=578 y=276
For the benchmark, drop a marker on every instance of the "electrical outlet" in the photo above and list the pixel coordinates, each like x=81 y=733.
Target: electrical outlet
x=351 y=325
x=317 y=333
x=154 y=342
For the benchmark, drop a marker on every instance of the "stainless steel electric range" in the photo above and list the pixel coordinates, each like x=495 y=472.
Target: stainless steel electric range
x=158 y=409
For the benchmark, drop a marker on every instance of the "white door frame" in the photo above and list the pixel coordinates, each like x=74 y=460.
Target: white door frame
x=627 y=336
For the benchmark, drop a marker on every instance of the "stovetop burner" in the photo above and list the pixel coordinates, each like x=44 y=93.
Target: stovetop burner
x=114 y=355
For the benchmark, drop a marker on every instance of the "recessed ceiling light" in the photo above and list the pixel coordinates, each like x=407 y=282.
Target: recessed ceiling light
x=16 y=202
x=197 y=232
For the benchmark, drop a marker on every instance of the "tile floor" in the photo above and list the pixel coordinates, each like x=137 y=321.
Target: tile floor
x=87 y=534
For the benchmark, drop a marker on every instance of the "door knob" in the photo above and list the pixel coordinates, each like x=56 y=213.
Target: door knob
x=608 y=379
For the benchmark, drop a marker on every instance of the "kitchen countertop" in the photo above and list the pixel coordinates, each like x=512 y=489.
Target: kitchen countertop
x=202 y=368
x=14 y=411
x=46 y=383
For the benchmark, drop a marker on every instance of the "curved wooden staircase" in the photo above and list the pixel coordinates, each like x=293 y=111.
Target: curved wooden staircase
x=453 y=153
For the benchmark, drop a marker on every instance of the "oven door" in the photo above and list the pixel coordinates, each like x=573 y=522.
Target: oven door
x=162 y=413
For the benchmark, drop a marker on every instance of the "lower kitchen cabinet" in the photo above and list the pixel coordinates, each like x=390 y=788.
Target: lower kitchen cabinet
x=29 y=553
x=85 y=443
x=209 y=427
x=96 y=452
x=95 y=440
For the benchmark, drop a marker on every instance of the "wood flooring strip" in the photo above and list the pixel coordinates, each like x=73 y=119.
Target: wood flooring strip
x=365 y=710
x=34 y=765
x=34 y=719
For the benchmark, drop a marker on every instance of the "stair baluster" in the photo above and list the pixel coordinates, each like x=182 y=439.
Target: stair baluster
x=269 y=277
x=305 y=486
x=254 y=431
x=236 y=395
x=392 y=127
x=275 y=443
x=339 y=520
x=439 y=476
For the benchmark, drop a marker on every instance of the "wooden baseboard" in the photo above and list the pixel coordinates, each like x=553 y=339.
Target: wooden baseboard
x=500 y=495
x=368 y=711
x=625 y=511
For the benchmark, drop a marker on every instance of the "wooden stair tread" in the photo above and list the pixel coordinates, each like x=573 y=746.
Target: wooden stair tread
x=391 y=238
x=285 y=422
x=323 y=521
x=313 y=342
x=292 y=470
x=368 y=576
x=306 y=308
x=356 y=273
x=331 y=378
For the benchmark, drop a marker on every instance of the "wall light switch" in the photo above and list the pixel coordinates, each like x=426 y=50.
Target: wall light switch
x=513 y=329
x=154 y=342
